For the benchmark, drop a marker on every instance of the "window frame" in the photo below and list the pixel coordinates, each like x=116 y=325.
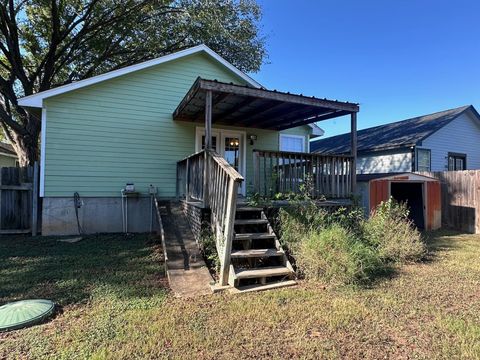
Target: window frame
x=304 y=145
x=429 y=159
x=456 y=156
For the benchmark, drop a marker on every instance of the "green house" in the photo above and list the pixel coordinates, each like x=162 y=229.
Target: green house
x=135 y=125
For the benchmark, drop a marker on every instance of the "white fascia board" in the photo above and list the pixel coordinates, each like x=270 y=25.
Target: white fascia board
x=43 y=141
x=8 y=155
x=36 y=100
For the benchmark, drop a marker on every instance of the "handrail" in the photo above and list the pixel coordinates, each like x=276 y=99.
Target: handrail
x=320 y=175
x=229 y=169
x=206 y=176
x=298 y=153
x=190 y=177
x=223 y=183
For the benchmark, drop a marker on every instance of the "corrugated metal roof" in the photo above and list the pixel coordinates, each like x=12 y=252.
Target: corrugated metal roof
x=395 y=135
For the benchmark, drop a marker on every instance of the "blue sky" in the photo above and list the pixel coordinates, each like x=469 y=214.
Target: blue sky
x=397 y=58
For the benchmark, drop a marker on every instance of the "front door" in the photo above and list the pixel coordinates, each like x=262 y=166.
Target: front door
x=229 y=144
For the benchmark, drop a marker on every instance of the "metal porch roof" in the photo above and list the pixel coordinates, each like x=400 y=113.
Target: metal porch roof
x=245 y=106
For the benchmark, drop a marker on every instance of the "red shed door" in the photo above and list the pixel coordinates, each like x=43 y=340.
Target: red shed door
x=378 y=192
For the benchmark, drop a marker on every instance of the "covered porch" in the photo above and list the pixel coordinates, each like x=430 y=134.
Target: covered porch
x=249 y=250
x=213 y=105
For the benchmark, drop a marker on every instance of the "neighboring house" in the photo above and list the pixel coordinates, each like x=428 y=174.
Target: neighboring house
x=446 y=140
x=8 y=156
x=135 y=124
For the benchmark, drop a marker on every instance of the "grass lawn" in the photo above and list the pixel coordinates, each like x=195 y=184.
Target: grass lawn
x=115 y=305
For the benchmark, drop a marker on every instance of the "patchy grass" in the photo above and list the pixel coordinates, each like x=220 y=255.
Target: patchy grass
x=114 y=306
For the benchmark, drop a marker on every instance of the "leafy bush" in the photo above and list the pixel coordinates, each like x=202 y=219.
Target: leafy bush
x=335 y=256
x=306 y=216
x=344 y=247
x=208 y=248
x=392 y=233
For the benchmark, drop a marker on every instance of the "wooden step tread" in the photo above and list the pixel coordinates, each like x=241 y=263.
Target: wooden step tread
x=250 y=221
x=262 y=272
x=256 y=253
x=251 y=236
x=259 y=287
x=249 y=208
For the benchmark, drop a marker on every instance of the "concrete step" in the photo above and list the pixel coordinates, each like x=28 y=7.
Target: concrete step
x=253 y=236
x=259 y=287
x=254 y=253
x=262 y=272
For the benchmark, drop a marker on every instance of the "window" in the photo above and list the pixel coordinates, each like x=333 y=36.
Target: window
x=457 y=161
x=214 y=142
x=292 y=143
x=424 y=159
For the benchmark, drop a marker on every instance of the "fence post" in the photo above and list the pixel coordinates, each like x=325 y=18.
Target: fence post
x=35 y=199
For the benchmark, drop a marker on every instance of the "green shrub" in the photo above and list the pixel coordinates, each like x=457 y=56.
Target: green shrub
x=335 y=256
x=208 y=248
x=392 y=233
x=306 y=216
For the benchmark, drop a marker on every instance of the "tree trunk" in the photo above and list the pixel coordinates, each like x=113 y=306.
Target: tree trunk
x=26 y=143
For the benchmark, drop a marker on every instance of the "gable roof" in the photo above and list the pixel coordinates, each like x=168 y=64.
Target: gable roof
x=36 y=100
x=400 y=134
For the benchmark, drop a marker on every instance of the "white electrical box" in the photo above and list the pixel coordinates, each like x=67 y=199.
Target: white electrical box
x=129 y=187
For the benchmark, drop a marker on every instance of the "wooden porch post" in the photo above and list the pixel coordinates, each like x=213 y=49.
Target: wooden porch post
x=208 y=120
x=353 y=138
x=208 y=145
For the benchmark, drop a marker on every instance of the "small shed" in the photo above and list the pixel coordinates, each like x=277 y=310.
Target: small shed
x=422 y=194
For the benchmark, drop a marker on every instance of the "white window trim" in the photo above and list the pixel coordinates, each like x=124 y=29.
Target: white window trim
x=417 y=149
x=304 y=142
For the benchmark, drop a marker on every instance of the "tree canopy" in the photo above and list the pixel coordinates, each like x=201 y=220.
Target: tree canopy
x=47 y=43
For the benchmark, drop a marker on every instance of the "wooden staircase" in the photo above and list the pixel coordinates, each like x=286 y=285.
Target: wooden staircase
x=258 y=261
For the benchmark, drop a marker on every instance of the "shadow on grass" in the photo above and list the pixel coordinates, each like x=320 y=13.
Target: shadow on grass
x=68 y=273
x=440 y=241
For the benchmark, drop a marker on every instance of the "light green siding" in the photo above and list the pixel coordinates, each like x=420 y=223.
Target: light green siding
x=7 y=161
x=100 y=137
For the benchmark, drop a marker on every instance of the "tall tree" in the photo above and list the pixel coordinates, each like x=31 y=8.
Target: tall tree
x=47 y=43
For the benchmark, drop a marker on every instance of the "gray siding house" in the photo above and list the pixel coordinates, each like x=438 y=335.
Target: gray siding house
x=446 y=140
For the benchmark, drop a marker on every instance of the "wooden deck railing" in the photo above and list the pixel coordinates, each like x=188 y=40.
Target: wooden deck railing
x=208 y=177
x=289 y=172
x=190 y=177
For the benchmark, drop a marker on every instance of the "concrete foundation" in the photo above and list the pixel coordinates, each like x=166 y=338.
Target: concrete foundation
x=97 y=215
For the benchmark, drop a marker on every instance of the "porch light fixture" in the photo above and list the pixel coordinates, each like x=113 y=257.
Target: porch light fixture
x=252 y=138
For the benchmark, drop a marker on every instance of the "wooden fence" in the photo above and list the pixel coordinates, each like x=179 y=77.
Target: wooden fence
x=19 y=200
x=460 y=199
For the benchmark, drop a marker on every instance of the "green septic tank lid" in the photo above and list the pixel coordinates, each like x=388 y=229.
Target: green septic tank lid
x=19 y=314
